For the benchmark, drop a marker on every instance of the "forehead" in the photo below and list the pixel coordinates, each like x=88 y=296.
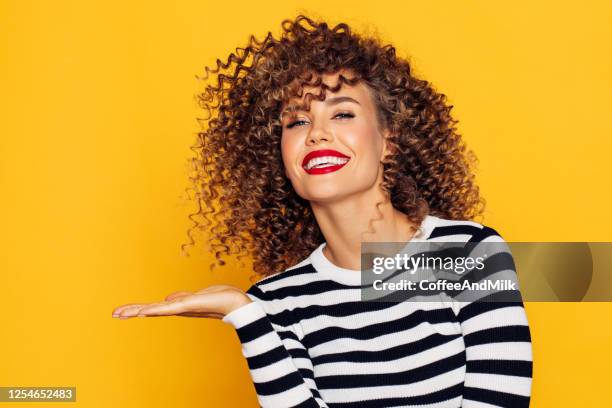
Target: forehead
x=359 y=91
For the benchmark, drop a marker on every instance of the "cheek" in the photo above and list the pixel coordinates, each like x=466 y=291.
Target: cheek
x=364 y=141
x=289 y=153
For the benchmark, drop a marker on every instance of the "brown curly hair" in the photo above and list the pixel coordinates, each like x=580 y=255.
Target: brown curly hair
x=246 y=203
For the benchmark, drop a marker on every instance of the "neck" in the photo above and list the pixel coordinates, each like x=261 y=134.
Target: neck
x=347 y=222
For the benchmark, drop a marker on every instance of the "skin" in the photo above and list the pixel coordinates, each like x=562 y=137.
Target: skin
x=343 y=202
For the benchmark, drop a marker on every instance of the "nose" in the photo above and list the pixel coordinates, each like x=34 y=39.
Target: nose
x=318 y=134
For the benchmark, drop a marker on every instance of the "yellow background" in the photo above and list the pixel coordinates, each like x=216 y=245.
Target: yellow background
x=98 y=113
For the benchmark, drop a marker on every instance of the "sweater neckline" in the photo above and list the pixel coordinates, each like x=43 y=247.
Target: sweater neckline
x=352 y=277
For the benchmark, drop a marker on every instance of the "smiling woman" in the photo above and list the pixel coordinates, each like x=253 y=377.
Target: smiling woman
x=316 y=142
x=261 y=126
x=347 y=121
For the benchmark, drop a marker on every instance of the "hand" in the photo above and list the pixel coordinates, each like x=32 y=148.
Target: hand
x=214 y=301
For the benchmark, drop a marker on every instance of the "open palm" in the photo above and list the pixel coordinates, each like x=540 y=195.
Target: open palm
x=214 y=301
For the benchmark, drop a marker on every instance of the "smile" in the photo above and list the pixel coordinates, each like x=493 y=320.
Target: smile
x=324 y=161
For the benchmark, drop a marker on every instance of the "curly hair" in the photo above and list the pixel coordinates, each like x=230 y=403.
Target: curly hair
x=247 y=205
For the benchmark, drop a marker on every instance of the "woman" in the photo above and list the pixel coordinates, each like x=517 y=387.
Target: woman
x=322 y=140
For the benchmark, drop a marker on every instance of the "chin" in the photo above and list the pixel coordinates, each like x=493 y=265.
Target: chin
x=326 y=195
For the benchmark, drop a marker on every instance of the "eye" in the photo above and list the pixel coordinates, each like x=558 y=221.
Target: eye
x=295 y=123
x=344 y=115
x=299 y=122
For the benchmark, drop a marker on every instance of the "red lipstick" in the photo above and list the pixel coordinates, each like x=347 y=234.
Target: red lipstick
x=331 y=160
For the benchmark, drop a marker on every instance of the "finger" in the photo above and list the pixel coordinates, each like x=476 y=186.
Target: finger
x=201 y=303
x=205 y=290
x=131 y=311
x=120 y=309
x=168 y=308
x=213 y=289
x=178 y=294
x=188 y=304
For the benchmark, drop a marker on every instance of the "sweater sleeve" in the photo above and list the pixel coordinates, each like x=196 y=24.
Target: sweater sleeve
x=279 y=364
x=498 y=345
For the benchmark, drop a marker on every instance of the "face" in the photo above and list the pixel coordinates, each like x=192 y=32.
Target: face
x=335 y=149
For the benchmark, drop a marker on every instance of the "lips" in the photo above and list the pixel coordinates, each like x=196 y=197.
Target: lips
x=337 y=160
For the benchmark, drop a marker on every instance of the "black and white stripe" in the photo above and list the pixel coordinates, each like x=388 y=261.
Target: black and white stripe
x=310 y=341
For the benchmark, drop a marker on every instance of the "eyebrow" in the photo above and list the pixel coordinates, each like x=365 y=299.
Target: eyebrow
x=330 y=101
x=340 y=99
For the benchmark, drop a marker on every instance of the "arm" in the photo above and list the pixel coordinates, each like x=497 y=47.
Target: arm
x=498 y=348
x=279 y=364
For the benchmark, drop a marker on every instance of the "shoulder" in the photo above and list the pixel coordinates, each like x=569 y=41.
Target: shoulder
x=463 y=230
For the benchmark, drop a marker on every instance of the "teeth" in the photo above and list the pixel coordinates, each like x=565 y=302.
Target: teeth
x=328 y=160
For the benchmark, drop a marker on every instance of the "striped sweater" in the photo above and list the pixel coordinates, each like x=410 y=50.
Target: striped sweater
x=310 y=341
